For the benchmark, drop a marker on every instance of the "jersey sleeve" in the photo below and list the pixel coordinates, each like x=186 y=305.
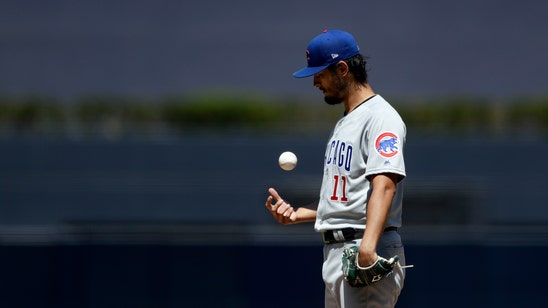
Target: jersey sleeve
x=384 y=145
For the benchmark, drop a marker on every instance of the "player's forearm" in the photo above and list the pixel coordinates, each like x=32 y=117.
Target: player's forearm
x=377 y=214
x=378 y=207
x=305 y=214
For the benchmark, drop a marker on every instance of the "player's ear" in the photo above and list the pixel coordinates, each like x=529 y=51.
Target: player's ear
x=342 y=68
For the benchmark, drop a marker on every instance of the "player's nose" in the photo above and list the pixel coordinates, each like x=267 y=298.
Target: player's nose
x=316 y=81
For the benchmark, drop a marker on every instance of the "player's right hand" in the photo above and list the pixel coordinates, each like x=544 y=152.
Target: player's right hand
x=282 y=211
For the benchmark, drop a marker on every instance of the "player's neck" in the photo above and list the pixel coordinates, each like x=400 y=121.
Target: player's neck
x=357 y=96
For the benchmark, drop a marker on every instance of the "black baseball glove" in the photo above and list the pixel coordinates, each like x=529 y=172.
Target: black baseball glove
x=364 y=276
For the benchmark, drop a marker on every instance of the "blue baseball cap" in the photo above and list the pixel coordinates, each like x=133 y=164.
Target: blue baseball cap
x=329 y=47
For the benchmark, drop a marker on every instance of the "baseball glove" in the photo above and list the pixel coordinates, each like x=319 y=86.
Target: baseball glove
x=364 y=276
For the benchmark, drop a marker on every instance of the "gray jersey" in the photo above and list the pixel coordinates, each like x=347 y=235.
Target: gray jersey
x=367 y=141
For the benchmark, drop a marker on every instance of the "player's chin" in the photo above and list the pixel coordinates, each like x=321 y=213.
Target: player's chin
x=332 y=100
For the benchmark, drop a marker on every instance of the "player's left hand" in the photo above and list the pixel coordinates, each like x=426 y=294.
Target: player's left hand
x=358 y=276
x=366 y=259
x=282 y=211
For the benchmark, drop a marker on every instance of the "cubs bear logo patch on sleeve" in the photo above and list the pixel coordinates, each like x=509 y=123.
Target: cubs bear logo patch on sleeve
x=387 y=144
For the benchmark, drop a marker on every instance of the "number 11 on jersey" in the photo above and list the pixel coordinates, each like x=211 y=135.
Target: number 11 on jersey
x=336 y=191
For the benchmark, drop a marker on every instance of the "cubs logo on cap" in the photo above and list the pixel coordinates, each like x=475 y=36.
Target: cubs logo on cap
x=386 y=144
x=329 y=47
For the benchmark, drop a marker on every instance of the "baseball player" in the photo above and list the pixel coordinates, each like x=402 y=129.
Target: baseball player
x=360 y=202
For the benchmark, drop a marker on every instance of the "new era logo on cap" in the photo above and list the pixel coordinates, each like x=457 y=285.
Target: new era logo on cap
x=327 y=48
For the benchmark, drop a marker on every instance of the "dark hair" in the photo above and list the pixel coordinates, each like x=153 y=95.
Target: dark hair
x=357 y=66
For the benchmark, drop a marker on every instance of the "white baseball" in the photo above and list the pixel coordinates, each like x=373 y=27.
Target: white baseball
x=287 y=161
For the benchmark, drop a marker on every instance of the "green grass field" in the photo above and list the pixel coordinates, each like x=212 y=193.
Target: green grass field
x=450 y=115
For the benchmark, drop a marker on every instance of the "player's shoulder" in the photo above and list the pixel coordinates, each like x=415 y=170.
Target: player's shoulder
x=381 y=111
x=374 y=106
x=379 y=101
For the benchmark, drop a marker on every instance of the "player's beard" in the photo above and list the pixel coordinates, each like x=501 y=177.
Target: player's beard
x=339 y=86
